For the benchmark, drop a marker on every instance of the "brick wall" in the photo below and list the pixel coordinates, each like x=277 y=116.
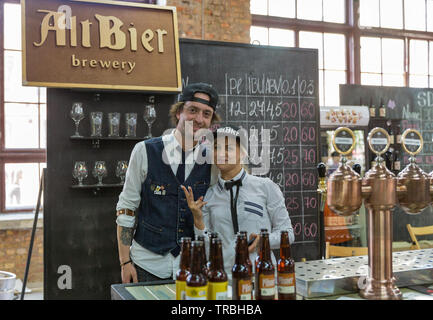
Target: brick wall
x=14 y=245
x=219 y=20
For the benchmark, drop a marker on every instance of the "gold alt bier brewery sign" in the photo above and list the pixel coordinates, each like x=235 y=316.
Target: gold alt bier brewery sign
x=100 y=44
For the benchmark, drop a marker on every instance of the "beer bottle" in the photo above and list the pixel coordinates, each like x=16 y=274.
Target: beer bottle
x=184 y=267
x=196 y=281
x=265 y=271
x=204 y=259
x=372 y=108
x=397 y=166
x=212 y=235
x=382 y=109
x=218 y=283
x=286 y=270
x=250 y=265
x=242 y=286
x=260 y=243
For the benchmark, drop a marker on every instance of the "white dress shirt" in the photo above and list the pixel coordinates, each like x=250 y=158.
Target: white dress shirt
x=163 y=266
x=260 y=205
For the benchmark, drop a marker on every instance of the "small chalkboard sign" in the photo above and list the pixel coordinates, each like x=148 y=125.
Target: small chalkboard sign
x=275 y=88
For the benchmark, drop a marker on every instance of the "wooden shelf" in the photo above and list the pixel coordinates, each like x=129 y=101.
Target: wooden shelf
x=108 y=138
x=96 y=140
x=97 y=186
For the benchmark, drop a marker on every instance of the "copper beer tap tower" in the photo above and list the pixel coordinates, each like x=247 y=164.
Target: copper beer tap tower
x=381 y=191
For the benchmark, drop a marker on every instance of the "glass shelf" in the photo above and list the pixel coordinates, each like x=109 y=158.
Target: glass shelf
x=108 y=138
x=96 y=140
x=97 y=186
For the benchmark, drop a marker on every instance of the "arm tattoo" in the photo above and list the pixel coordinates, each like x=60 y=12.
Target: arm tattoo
x=126 y=235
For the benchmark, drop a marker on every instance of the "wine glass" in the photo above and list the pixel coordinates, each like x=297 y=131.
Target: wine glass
x=99 y=171
x=80 y=171
x=122 y=167
x=77 y=114
x=149 y=116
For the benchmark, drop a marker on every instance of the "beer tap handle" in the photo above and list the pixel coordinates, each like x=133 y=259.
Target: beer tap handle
x=321 y=169
x=357 y=168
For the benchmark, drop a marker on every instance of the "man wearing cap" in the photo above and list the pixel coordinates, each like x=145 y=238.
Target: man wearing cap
x=152 y=203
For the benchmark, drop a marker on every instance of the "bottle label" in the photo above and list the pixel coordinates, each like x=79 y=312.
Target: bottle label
x=399 y=138
x=217 y=290
x=382 y=112
x=196 y=293
x=245 y=287
x=372 y=112
x=267 y=284
x=286 y=283
x=391 y=138
x=180 y=290
x=397 y=165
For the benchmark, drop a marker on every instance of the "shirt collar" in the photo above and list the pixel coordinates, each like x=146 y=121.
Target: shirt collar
x=177 y=145
x=240 y=175
x=174 y=148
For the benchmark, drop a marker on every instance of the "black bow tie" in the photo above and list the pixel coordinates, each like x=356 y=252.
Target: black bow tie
x=229 y=185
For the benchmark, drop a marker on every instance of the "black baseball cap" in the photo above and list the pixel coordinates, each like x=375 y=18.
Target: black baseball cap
x=190 y=90
x=231 y=132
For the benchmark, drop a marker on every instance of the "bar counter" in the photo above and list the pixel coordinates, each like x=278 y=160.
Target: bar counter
x=329 y=279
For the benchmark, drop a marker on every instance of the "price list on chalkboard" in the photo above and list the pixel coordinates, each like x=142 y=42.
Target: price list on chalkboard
x=286 y=106
x=270 y=91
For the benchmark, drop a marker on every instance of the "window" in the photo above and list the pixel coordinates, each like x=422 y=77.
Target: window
x=319 y=10
x=391 y=14
x=331 y=46
x=272 y=36
x=429 y=15
x=23 y=127
x=389 y=43
x=332 y=63
x=282 y=8
x=419 y=64
x=397 y=14
x=382 y=61
x=414 y=13
x=259 y=35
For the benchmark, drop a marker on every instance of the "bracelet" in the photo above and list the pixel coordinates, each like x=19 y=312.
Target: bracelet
x=122 y=264
x=128 y=212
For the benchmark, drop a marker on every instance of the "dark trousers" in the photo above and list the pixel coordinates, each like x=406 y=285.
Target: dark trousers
x=144 y=276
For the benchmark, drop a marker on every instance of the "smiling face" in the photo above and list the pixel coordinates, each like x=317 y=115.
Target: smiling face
x=227 y=154
x=199 y=113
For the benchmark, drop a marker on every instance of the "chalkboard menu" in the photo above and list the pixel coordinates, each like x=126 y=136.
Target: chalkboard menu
x=263 y=87
x=410 y=108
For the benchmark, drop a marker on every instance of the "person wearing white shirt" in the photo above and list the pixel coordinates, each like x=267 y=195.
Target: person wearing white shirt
x=152 y=213
x=238 y=202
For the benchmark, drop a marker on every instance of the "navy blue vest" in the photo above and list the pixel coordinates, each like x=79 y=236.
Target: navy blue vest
x=163 y=215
